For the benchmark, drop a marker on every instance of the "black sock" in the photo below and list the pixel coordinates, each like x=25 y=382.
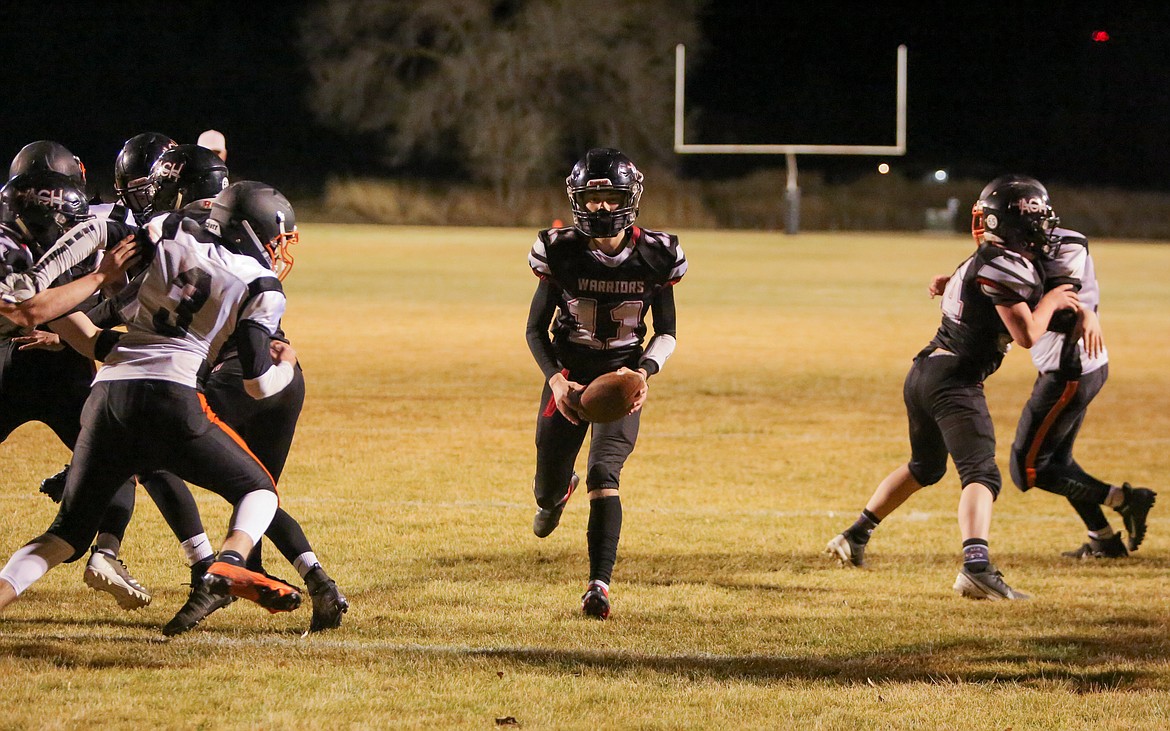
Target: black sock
x=860 y=531
x=255 y=560
x=976 y=555
x=231 y=557
x=605 y=527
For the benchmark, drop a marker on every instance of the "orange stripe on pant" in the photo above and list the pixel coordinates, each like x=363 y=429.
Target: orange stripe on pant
x=1070 y=390
x=235 y=438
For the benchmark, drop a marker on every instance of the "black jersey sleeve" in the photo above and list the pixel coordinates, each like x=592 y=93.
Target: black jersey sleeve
x=661 y=346
x=252 y=339
x=540 y=315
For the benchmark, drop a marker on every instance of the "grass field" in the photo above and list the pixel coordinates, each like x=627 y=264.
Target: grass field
x=771 y=425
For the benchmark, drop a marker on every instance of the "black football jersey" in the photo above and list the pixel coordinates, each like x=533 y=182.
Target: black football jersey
x=601 y=315
x=971 y=326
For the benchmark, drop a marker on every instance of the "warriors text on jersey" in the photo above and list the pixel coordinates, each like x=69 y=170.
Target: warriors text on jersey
x=190 y=301
x=603 y=300
x=971 y=326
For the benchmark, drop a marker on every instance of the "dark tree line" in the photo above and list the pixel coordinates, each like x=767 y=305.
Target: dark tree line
x=506 y=92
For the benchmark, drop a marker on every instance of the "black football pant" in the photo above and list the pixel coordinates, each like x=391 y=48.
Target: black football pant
x=267 y=426
x=1042 y=451
x=558 y=441
x=948 y=414
x=51 y=387
x=140 y=426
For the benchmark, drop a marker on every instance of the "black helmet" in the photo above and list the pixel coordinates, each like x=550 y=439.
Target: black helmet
x=254 y=219
x=1014 y=210
x=132 y=168
x=48 y=155
x=42 y=205
x=183 y=174
x=603 y=170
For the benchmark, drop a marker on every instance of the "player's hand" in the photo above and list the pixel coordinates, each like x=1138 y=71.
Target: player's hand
x=282 y=352
x=567 y=396
x=938 y=285
x=39 y=340
x=118 y=259
x=1091 y=333
x=640 y=397
x=1063 y=297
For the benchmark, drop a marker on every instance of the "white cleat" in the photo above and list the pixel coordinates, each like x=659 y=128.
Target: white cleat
x=109 y=574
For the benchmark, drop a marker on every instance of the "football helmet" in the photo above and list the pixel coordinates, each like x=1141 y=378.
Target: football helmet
x=43 y=205
x=1014 y=210
x=48 y=155
x=132 y=168
x=604 y=169
x=256 y=220
x=183 y=174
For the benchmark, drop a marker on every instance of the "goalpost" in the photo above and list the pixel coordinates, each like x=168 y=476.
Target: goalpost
x=792 y=190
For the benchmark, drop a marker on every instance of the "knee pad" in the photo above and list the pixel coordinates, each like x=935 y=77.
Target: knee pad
x=924 y=475
x=990 y=479
x=1018 y=473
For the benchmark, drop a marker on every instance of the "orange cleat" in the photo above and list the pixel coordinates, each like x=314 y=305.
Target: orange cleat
x=271 y=593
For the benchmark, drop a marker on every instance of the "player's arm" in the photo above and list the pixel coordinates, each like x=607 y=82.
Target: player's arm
x=75 y=329
x=267 y=366
x=56 y=301
x=75 y=246
x=540 y=315
x=661 y=345
x=1026 y=325
x=1088 y=329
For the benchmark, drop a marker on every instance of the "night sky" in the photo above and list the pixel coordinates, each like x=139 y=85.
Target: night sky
x=1018 y=86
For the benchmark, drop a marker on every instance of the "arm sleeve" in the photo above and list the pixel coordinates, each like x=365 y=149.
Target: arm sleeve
x=262 y=377
x=540 y=315
x=661 y=346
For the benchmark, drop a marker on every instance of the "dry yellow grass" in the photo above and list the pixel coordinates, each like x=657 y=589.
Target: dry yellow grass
x=763 y=437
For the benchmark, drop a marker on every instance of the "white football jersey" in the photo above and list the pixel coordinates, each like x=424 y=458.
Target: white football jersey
x=1072 y=263
x=191 y=299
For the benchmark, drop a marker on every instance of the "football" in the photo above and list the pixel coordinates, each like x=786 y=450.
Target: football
x=609 y=397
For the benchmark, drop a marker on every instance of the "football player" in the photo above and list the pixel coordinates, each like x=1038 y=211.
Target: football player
x=52 y=386
x=145 y=413
x=1073 y=366
x=267 y=426
x=994 y=297
x=598 y=280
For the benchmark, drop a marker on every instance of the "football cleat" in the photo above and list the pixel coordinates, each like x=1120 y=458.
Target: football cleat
x=1111 y=547
x=546 y=520
x=271 y=593
x=595 y=600
x=847 y=551
x=1134 y=511
x=200 y=604
x=328 y=601
x=106 y=573
x=54 y=486
x=986 y=584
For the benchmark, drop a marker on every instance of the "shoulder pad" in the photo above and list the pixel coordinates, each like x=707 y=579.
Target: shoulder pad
x=662 y=251
x=1006 y=277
